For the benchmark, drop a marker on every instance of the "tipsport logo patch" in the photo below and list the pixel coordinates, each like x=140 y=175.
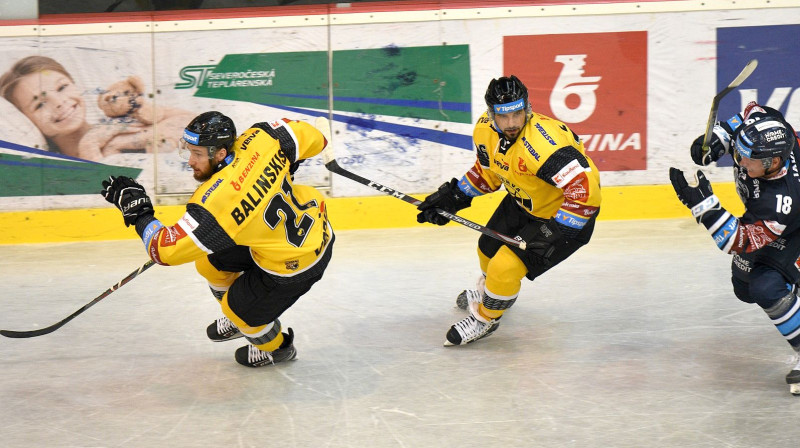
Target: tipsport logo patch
x=775 y=82
x=191 y=137
x=509 y=107
x=596 y=83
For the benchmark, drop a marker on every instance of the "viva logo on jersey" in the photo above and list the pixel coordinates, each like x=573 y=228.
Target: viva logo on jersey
x=595 y=83
x=776 y=81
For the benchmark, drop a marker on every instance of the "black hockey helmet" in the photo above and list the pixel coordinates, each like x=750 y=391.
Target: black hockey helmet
x=506 y=94
x=211 y=129
x=763 y=136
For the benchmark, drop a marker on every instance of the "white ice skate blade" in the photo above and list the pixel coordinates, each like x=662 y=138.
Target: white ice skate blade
x=794 y=389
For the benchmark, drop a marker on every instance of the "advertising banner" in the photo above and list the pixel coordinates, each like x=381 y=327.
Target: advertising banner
x=403 y=95
x=596 y=83
x=776 y=81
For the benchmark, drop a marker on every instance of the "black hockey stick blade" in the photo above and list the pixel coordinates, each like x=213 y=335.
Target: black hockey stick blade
x=330 y=163
x=712 y=115
x=56 y=326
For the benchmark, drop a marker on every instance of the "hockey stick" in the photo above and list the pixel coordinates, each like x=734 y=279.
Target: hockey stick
x=56 y=326
x=712 y=115
x=333 y=166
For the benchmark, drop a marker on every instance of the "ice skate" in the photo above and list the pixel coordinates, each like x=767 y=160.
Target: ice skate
x=223 y=330
x=793 y=378
x=471 y=328
x=251 y=356
x=468 y=296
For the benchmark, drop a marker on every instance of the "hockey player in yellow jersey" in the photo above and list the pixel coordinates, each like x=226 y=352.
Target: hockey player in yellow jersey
x=552 y=201
x=260 y=240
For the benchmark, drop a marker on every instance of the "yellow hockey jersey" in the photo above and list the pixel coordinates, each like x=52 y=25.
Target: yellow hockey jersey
x=253 y=202
x=546 y=170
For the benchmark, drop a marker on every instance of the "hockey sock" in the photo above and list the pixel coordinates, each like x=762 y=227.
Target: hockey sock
x=494 y=306
x=267 y=337
x=785 y=315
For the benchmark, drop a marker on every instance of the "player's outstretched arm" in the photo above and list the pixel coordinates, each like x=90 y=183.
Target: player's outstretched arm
x=706 y=208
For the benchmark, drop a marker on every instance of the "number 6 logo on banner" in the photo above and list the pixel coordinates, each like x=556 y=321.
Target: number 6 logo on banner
x=572 y=82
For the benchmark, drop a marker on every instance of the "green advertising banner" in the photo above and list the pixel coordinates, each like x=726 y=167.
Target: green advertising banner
x=47 y=176
x=430 y=83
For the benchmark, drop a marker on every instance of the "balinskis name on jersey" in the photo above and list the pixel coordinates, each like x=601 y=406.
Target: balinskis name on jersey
x=261 y=186
x=254 y=202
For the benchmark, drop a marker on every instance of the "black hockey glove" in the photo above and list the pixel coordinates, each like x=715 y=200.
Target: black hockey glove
x=717 y=146
x=540 y=239
x=448 y=198
x=700 y=199
x=129 y=197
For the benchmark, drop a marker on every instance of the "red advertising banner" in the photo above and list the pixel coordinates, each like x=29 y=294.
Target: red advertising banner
x=595 y=83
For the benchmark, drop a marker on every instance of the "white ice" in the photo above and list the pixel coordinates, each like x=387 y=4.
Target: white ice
x=635 y=341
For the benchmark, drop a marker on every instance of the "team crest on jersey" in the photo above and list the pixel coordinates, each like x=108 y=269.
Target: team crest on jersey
x=292 y=265
x=519 y=195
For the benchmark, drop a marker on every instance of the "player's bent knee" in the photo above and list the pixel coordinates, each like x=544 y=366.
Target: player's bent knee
x=215 y=277
x=505 y=272
x=767 y=289
x=741 y=290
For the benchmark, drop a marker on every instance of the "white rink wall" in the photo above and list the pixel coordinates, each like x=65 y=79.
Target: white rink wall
x=641 y=77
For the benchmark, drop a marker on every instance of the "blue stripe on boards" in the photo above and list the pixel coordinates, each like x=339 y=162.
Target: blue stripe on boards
x=446 y=138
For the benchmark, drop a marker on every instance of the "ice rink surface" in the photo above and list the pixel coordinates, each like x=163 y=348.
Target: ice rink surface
x=635 y=341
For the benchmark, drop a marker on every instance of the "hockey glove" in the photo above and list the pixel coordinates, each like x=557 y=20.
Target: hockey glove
x=129 y=197
x=540 y=238
x=700 y=199
x=448 y=198
x=718 y=145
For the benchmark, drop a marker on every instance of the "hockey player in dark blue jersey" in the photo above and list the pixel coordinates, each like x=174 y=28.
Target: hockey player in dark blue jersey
x=765 y=240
